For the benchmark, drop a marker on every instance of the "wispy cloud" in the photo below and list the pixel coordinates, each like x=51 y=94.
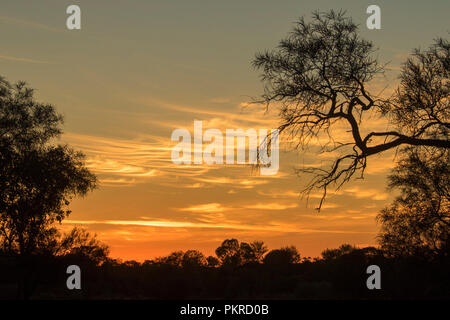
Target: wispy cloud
x=208 y=207
x=30 y=24
x=244 y=183
x=122 y=161
x=280 y=193
x=183 y=224
x=25 y=60
x=271 y=206
x=150 y=156
x=359 y=192
x=233 y=118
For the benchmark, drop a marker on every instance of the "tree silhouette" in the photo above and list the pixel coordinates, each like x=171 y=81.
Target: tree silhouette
x=231 y=253
x=418 y=222
x=193 y=259
x=174 y=259
x=184 y=275
x=212 y=261
x=253 y=252
x=228 y=252
x=81 y=244
x=283 y=256
x=38 y=178
x=331 y=254
x=319 y=78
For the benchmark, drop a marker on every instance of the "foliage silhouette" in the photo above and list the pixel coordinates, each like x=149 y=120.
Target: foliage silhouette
x=232 y=253
x=331 y=254
x=185 y=275
x=319 y=78
x=79 y=243
x=38 y=179
x=418 y=222
x=193 y=259
x=283 y=256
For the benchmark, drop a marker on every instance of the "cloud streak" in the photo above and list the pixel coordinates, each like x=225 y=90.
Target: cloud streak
x=183 y=224
x=26 y=60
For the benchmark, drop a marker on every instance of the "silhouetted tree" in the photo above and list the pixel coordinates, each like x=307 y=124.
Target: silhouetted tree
x=192 y=259
x=173 y=259
x=418 y=222
x=38 y=178
x=181 y=275
x=283 y=256
x=80 y=243
x=131 y=264
x=229 y=252
x=331 y=254
x=319 y=77
x=252 y=252
x=212 y=261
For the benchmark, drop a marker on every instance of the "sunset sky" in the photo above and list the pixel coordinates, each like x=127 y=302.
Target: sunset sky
x=137 y=70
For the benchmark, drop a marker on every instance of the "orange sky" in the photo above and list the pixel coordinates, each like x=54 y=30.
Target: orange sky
x=138 y=70
x=147 y=206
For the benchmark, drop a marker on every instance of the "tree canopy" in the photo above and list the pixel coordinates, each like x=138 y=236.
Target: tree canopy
x=418 y=222
x=233 y=253
x=38 y=178
x=319 y=77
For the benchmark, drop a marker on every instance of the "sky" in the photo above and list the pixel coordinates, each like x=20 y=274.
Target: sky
x=137 y=70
